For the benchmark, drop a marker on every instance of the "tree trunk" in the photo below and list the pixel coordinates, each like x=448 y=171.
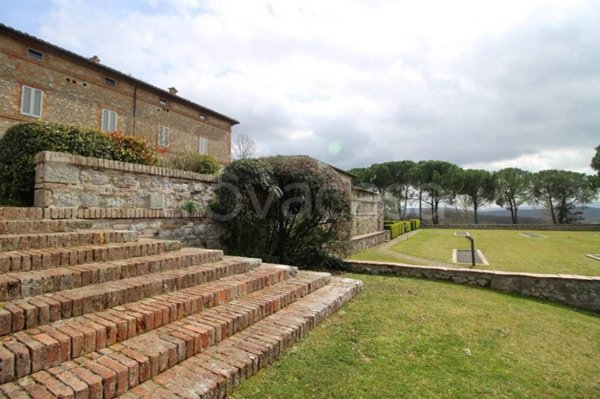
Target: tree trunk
x=281 y=239
x=475 y=213
x=421 y=205
x=552 y=209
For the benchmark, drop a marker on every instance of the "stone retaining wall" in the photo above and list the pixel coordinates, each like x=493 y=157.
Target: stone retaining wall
x=369 y=240
x=72 y=181
x=122 y=195
x=548 y=227
x=578 y=291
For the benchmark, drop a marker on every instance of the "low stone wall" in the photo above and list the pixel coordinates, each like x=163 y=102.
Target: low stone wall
x=548 y=227
x=121 y=195
x=578 y=291
x=365 y=241
x=72 y=181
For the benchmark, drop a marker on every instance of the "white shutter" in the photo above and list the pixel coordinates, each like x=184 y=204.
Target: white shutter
x=36 y=108
x=104 y=126
x=163 y=136
x=113 y=121
x=109 y=121
x=26 y=100
x=31 y=101
x=202 y=145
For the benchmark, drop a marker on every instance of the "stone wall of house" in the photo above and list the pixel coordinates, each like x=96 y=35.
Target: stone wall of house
x=578 y=291
x=367 y=212
x=75 y=92
x=548 y=227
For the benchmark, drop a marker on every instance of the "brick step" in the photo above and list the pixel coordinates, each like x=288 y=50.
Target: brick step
x=112 y=371
x=27 y=351
x=10 y=212
x=40 y=310
x=31 y=283
x=214 y=372
x=17 y=242
x=17 y=226
x=38 y=259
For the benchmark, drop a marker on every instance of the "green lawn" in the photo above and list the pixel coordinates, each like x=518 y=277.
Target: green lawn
x=416 y=338
x=556 y=252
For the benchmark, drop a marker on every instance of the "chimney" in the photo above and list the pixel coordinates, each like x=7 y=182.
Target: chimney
x=172 y=90
x=95 y=59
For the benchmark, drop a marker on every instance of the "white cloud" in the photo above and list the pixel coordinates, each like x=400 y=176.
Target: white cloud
x=477 y=83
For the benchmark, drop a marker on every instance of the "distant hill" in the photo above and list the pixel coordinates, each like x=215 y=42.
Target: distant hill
x=501 y=216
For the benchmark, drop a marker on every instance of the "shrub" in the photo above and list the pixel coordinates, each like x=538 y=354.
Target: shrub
x=21 y=142
x=285 y=209
x=396 y=228
x=194 y=162
x=131 y=149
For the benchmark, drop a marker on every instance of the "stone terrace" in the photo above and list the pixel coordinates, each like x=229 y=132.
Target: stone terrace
x=104 y=313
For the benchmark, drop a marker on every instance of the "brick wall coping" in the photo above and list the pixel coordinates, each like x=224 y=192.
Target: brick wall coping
x=50 y=156
x=578 y=291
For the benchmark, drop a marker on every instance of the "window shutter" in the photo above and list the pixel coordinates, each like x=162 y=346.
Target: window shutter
x=104 y=120
x=37 y=103
x=202 y=145
x=31 y=101
x=163 y=136
x=113 y=121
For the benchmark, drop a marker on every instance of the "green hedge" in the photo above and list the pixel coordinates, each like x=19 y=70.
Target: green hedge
x=21 y=142
x=400 y=227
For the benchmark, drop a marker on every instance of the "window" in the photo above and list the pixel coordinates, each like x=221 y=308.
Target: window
x=109 y=121
x=35 y=54
x=202 y=145
x=110 y=81
x=31 y=101
x=163 y=136
x=163 y=103
x=203 y=117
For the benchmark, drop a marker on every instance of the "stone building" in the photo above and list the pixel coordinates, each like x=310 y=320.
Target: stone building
x=42 y=81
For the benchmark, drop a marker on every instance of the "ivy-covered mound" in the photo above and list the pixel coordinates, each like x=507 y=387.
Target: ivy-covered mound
x=287 y=209
x=21 y=142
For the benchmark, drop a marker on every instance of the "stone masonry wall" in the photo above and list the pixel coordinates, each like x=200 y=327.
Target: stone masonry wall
x=578 y=291
x=126 y=196
x=367 y=212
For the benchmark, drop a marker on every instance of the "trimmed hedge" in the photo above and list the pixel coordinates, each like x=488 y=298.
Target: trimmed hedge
x=400 y=227
x=22 y=141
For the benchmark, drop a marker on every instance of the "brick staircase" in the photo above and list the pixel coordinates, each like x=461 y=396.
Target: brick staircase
x=104 y=313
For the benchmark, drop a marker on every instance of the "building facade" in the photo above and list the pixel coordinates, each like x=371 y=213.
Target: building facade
x=41 y=81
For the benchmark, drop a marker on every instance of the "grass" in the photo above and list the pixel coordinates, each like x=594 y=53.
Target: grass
x=416 y=338
x=560 y=252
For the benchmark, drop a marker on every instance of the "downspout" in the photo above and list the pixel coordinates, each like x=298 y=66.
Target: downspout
x=137 y=85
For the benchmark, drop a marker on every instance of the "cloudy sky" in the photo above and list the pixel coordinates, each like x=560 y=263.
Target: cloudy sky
x=480 y=83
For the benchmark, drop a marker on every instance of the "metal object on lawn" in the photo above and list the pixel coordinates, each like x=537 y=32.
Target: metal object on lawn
x=472 y=249
x=593 y=256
